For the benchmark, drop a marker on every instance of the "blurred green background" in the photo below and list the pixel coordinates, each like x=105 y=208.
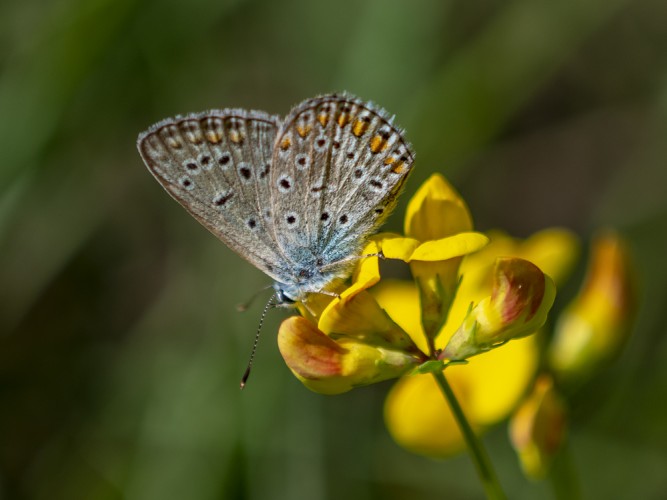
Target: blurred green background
x=120 y=345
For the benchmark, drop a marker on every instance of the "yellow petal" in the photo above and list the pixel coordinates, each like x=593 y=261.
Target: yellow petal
x=436 y=211
x=499 y=378
x=450 y=247
x=307 y=351
x=401 y=301
x=488 y=388
x=418 y=418
x=367 y=273
x=362 y=318
x=397 y=247
x=409 y=249
x=553 y=250
x=366 y=364
x=312 y=307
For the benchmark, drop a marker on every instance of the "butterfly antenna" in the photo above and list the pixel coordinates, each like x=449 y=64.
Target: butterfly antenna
x=268 y=306
x=246 y=305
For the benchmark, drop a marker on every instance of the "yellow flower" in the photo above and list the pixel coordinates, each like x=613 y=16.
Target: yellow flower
x=489 y=386
x=357 y=339
x=537 y=428
x=438 y=229
x=594 y=327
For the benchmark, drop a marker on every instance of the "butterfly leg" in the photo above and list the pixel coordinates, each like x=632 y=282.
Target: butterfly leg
x=352 y=258
x=329 y=294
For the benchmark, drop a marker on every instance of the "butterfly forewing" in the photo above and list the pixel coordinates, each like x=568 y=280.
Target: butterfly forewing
x=342 y=163
x=217 y=165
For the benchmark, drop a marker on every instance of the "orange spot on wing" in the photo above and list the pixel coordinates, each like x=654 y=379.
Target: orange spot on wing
x=378 y=143
x=323 y=118
x=194 y=137
x=303 y=130
x=399 y=168
x=173 y=143
x=285 y=144
x=213 y=137
x=236 y=137
x=343 y=118
x=359 y=127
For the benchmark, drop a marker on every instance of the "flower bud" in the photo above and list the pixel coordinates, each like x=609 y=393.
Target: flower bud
x=521 y=298
x=537 y=428
x=329 y=366
x=595 y=326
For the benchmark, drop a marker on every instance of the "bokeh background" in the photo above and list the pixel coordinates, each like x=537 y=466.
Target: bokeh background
x=120 y=345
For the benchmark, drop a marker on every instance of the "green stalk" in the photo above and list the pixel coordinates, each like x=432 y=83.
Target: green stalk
x=478 y=453
x=563 y=476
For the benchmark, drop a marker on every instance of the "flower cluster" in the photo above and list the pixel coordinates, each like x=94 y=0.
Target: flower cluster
x=470 y=294
x=374 y=332
x=489 y=386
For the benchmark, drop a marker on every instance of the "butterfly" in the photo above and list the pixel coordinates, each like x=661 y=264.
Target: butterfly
x=296 y=197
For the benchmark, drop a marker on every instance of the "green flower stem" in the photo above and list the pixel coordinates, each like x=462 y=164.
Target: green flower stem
x=563 y=476
x=479 y=456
